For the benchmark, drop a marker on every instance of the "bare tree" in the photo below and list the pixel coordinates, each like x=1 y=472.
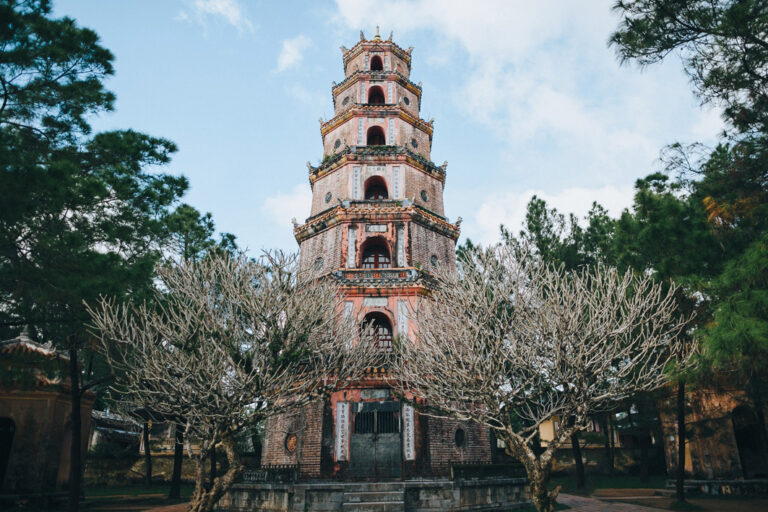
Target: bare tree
x=229 y=343
x=512 y=342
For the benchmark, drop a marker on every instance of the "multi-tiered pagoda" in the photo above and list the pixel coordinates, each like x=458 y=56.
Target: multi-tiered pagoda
x=376 y=226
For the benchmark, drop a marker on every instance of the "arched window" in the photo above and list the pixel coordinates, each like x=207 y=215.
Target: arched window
x=376 y=188
x=376 y=64
x=376 y=254
x=379 y=326
x=375 y=136
x=375 y=95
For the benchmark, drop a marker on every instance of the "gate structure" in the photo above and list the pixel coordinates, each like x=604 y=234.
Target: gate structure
x=375 y=443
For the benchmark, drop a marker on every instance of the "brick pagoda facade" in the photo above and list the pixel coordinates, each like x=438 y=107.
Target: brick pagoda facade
x=377 y=227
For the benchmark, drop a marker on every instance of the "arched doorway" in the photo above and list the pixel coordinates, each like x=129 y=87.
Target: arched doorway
x=376 y=188
x=746 y=430
x=376 y=254
x=7 y=430
x=375 y=95
x=375 y=136
x=376 y=64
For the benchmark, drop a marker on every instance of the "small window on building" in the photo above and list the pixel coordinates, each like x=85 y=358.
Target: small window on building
x=406 y=100
x=318 y=263
x=424 y=196
x=376 y=64
x=375 y=136
x=328 y=197
x=376 y=255
x=337 y=144
x=376 y=188
x=346 y=100
x=414 y=143
x=381 y=329
x=433 y=260
x=460 y=437
x=375 y=95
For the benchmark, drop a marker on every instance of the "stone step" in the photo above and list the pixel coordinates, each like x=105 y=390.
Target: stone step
x=373 y=487
x=372 y=496
x=374 y=506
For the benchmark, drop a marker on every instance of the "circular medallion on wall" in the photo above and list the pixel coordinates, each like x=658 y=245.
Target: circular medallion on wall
x=328 y=197
x=433 y=260
x=337 y=144
x=406 y=100
x=414 y=143
x=346 y=100
x=424 y=196
x=318 y=263
x=460 y=437
x=290 y=443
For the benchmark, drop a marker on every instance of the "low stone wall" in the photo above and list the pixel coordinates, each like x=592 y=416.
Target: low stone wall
x=751 y=487
x=417 y=495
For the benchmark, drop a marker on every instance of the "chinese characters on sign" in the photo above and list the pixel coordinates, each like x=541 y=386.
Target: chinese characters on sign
x=342 y=425
x=408 y=448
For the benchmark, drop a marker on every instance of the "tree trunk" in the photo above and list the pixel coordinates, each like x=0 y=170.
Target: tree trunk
x=147 y=457
x=178 y=459
x=204 y=500
x=607 y=439
x=645 y=444
x=75 y=472
x=581 y=481
x=213 y=467
x=612 y=425
x=680 y=484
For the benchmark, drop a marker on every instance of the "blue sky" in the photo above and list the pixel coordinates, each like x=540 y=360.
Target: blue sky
x=527 y=98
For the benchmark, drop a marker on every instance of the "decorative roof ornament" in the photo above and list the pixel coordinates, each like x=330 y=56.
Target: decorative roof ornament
x=409 y=50
x=459 y=221
x=362 y=36
x=391 y=33
x=377 y=37
x=343 y=49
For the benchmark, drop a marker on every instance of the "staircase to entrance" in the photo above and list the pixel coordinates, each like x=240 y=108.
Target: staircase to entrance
x=374 y=496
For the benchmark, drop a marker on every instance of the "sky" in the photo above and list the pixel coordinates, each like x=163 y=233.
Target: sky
x=527 y=98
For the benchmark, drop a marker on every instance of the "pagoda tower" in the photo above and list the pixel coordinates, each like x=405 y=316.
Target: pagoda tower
x=376 y=226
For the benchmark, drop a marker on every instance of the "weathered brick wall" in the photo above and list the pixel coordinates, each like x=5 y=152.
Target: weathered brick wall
x=307 y=426
x=326 y=245
x=424 y=243
x=416 y=181
x=349 y=96
x=340 y=184
x=404 y=134
x=442 y=446
x=358 y=63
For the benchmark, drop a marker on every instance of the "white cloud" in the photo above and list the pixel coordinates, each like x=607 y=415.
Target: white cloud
x=282 y=207
x=509 y=208
x=229 y=11
x=292 y=52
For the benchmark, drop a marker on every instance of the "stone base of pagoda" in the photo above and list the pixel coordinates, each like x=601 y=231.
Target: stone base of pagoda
x=497 y=493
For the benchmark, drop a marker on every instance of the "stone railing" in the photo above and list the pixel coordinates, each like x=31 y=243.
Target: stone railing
x=272 y=473
x=380 y=276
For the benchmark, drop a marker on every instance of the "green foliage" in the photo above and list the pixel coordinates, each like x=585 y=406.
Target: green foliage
x=560 y=239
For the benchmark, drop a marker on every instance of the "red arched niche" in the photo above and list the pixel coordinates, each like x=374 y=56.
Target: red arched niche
x=375 y=253
x=375 y=136
x=375 y=95
x=376 y=64
x=380 y=327
x=375 y=188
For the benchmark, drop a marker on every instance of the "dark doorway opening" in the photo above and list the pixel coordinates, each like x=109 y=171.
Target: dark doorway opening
x=746 y=430
x=7 y=430
x=375 y=96
x=375 y=136
x=376 y=64
x=376 y=188
x=380 y=329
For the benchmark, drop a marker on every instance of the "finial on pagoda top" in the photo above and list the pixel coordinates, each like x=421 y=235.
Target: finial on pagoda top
x=377 y=37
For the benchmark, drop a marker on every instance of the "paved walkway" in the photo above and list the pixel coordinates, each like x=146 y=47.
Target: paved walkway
x=583 y=504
